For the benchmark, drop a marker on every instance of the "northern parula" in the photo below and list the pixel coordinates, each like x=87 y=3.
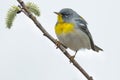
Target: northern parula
x=71 y=30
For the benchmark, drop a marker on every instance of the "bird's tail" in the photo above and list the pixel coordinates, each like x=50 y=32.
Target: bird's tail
x=97 y=49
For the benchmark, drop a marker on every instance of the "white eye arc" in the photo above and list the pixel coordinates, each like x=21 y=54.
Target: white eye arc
x=66 y=16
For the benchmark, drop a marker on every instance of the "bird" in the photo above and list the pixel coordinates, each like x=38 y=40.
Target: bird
x=72 y=31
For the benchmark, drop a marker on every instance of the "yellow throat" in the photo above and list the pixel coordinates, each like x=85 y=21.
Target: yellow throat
x=63 y=27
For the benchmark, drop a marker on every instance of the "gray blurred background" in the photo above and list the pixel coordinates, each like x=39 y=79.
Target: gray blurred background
x=25 y=54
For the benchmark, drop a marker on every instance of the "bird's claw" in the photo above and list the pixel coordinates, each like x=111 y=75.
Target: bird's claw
x=72 y=58
x=57 y=44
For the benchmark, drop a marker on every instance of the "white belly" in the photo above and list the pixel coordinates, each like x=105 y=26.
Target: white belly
x=75 y=40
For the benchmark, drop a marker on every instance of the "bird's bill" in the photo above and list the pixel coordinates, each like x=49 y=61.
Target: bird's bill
x=57 y=13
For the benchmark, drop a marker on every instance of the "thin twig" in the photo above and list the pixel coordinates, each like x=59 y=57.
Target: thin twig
x=33 y=18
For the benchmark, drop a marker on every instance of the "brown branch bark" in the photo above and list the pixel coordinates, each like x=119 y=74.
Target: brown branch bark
x=33 y=18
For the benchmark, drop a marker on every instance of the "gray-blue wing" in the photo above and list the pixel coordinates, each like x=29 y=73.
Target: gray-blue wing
x=83 y=26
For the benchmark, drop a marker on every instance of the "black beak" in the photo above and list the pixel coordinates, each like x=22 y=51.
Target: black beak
x=57 y=13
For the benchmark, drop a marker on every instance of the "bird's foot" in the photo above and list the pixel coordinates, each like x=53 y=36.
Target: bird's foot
x=72 y=58
x=57 y=43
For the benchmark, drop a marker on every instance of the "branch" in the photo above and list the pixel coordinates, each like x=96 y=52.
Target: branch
x=45 y=33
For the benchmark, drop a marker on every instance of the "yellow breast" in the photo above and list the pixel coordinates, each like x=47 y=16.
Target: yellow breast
x=63 y=28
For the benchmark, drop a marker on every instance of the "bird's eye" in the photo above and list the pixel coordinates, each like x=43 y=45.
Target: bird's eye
x=65 y=15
